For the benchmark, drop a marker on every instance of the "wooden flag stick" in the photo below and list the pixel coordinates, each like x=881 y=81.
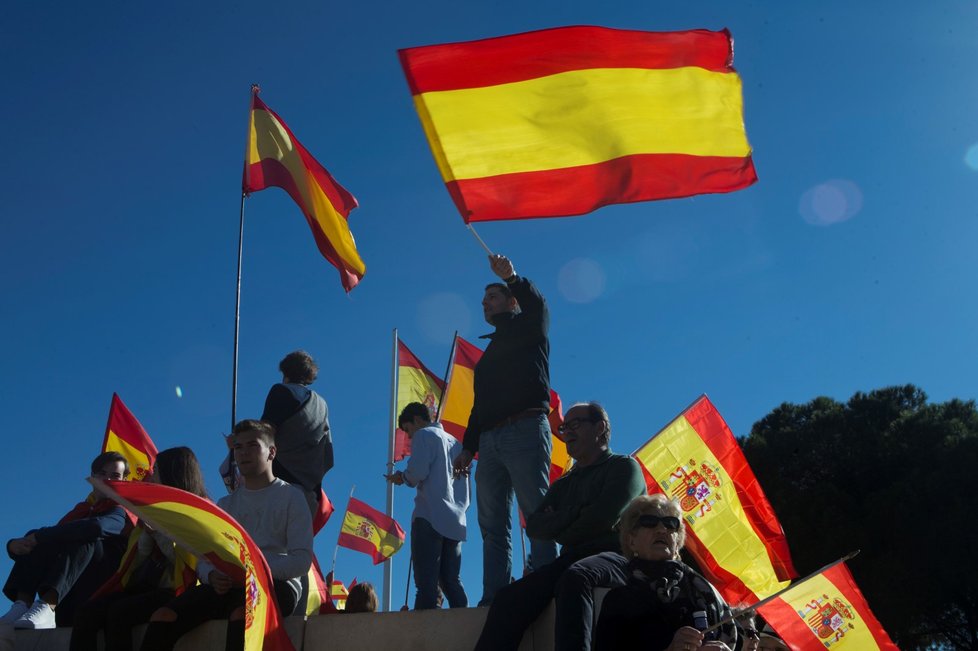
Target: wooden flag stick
x=488 y=250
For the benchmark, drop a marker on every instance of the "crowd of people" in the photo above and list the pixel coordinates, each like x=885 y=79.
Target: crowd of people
x=594 y=527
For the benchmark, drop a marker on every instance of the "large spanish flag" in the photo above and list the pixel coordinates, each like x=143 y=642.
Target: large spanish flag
x=827 y=611
x=208 y=532
x=732 y=529
x=415 y=383
x=367 y=530
x=274 y=157
x=124 y=434
x=566 y=120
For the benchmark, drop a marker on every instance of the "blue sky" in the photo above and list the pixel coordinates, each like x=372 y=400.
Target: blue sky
x=845 y=268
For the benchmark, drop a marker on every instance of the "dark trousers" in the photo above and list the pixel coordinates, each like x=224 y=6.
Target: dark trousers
x=437 y=561
x=74 y=572
x=200 y=604
x=117 y=614
x=571 y=581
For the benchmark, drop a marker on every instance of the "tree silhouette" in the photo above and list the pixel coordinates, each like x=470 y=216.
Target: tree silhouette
x=895 y=477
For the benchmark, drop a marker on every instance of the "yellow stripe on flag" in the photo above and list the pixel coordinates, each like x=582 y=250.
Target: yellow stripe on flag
x=538 y=124
x=414 y=385
x=719 y=521
x=823 y=607
x=225 y=546
x=279 y=146
x=459 y=397
x=139 y=466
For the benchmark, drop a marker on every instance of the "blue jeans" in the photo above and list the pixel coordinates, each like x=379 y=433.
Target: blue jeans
x=437 y=560
x=512 y=458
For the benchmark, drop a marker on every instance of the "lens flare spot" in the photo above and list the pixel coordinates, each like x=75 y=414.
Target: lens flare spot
x=832 y=202
x=441 y=313
x=179 y=392
x=581 y=280
x=971 y=157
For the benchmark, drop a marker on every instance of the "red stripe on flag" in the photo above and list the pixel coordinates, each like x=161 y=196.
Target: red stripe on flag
x=519 y=57
x=629 y=179
x=274 y=174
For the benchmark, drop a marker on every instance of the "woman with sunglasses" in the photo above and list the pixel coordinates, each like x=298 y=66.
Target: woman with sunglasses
x=665 y=601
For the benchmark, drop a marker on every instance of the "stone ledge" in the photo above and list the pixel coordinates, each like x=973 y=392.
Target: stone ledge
x=416 y=630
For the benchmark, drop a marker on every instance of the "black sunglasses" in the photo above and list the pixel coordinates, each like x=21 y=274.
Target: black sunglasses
x=652 y=521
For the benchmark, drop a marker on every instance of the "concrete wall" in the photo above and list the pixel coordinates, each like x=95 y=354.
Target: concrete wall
x=425 y=630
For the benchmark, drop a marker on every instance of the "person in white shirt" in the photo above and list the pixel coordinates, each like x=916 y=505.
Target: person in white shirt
x=438 y=522
x=276 y=516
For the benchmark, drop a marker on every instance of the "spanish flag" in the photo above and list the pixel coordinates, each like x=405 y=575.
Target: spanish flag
x=208 y=532
x=732 y=530
x=124 y=434
x=184 y=566
x=560 y=460
x=566 y=120
x=274 y=157
x=827 y=611
x=415 y=383
x=367 y=530
x=460 y=392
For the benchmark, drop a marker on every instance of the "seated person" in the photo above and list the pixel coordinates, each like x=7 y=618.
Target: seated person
x=63 y=565
x=153 y=571
x=276 y=516
x=657 y=607
x=579 y=511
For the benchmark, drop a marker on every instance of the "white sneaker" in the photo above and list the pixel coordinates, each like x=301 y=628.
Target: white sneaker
x=38 y=616
x=16 y=612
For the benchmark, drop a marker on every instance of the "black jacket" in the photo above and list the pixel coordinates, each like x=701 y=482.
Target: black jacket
x=514 y=373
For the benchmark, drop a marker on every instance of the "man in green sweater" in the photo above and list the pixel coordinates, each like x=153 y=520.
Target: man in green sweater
x=579 y=512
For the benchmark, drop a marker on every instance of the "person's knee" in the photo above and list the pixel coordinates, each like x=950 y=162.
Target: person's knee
x=237 y=615
x=163 y=615
x=574 y=583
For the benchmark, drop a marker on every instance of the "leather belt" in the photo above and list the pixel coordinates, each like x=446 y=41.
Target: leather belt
x=526 y=413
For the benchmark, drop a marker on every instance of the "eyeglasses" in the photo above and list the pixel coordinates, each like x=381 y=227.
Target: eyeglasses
x=572 y=424
x=652 y=521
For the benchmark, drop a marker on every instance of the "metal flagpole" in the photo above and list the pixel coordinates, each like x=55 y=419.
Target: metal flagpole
x=448 y=376
x=388 y=569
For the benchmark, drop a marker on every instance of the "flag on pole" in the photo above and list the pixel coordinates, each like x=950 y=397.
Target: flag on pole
x=827 y=611
x=563 y=121
x=415 y=383
x=367 y=530
x=274 y=157
x=339 y=593
x=210 y=533
x=124 y=434
x=460 y=392
x=732 y=530
x=560 y=460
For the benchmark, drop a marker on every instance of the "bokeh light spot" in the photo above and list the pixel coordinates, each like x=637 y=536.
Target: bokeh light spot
x=971 y=157
x=442 y=313
x=832 y=202
x=179 y=392
x=581 y=280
